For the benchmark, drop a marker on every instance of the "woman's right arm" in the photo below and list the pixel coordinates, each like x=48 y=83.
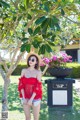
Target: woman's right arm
x=21 y=87
x=22 y=72
x=22 y=90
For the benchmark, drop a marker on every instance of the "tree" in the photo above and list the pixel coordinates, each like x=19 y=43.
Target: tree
x=26 y=22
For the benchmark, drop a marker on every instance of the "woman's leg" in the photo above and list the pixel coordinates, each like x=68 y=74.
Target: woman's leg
x=36 y=110
x=26 y=109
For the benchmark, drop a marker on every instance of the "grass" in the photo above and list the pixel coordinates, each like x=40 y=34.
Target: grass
x=16 y=110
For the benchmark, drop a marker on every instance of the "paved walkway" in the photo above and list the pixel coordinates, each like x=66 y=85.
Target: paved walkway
x=77 y=86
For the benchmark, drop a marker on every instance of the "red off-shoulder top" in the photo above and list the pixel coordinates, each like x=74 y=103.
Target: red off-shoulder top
x=30 y=85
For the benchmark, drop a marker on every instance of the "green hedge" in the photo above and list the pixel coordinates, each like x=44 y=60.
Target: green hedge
x=17 y=71
x=75 y=70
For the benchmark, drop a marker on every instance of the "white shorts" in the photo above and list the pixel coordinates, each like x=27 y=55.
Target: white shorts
x=35 y=102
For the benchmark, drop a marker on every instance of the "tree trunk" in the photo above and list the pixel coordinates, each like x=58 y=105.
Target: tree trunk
x=4 y=99
x=4 y=113
x=6 y=77
x=5 y=93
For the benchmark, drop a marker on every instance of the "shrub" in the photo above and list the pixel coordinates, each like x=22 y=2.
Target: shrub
x=75 y=69
x=18 y=70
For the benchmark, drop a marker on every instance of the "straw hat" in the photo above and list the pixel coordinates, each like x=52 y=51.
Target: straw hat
x=32 y=52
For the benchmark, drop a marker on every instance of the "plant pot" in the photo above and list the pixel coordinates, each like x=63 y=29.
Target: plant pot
x=60 y=72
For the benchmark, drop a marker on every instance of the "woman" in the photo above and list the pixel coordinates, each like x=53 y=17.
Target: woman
x=30 y=87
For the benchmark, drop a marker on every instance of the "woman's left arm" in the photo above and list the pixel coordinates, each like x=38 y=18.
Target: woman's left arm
x=38 y=85
x=39 y=75
x=45 y=69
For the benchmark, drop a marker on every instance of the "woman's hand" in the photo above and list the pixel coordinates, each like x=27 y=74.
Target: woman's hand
x=31 y=99
x=24 y=101
x=29 y=102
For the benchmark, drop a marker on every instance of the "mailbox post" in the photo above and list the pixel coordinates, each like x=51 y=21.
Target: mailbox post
x=60 y=92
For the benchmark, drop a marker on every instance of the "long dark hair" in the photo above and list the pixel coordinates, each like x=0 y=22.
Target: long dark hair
x=37 y=64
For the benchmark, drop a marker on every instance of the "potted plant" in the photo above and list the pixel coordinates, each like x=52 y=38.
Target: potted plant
x=57 y=65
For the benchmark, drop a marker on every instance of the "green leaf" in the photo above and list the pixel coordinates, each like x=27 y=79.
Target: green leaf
x=51 y=43
x=23 y=48
x=36 y=43
x=28 y=47
x=0 y=4
x=46 y=8
x=42 y=49
x=23 y=34
x=45 y=22
x=44 y=25
x=48 y=48
x=30 y=31
x=53 y=37
x=22 y=7
x=44 y=35
x=54 y=0
x=24 y=39
x=36 y=30
x=62 y=46
x=71 y=0
x=47 y=35
x=44 y=29
x=57 y=26
x=19 y=18
x=4 y=4
x=55 y=20
x=51 y=24
x=29 y=16
x=63 y=0
x=25 y=24
x=40 y=20
x=62 y=12
x=26 y=2
x=39 y=52
x=14 y=18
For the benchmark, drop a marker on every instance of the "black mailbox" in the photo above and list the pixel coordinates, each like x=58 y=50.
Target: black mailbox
x=60 y=92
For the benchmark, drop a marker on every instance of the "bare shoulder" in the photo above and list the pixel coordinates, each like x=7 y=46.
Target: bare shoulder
x=38 y=71
x=23 y=71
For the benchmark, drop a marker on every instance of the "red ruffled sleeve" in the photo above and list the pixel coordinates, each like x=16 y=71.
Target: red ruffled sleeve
x=38 y=88
x=20 y=85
